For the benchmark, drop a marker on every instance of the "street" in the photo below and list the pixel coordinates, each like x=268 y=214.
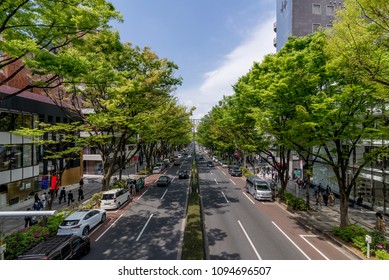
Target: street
x=239 y=227
x=149 y=228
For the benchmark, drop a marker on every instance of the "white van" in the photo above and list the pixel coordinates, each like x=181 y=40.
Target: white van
x=259 y=188
x=115 y=198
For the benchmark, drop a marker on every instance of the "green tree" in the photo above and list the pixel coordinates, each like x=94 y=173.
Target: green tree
x=121 y=86
x=34 y=32
x=359 y=40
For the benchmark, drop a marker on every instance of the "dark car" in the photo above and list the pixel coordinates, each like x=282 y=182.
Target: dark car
x=59 y=247
x=234 y=170
x=183 y=174
x=210 y=164
x=163 y=181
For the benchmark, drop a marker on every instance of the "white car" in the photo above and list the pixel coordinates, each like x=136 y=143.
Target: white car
x=115 y=198
x=81 y=222
x=157 y=169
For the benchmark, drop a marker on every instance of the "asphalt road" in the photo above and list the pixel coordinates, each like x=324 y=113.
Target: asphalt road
x=149 y=228
x=240 y=228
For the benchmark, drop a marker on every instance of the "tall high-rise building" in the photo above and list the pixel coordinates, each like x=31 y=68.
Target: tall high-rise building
x=302 y=17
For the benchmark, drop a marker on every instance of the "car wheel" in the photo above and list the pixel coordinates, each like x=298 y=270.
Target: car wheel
x=118 y=205
x=103 y=218
x=85 y=231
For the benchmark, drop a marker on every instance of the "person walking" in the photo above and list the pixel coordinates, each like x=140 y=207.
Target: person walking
x=319 y=199
x=325 y=198
x=62 y=195
x=27 y=220
x=43 y=200
x=80 y=194
x=380 y=222
x=331 y=198
x=70 y=197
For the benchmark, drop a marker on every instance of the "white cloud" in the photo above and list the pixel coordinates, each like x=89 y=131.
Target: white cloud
x=237 y=63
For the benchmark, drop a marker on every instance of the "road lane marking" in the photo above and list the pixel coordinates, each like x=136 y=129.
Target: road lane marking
x=224 y=173
x=249 y=198
x=144 y=227
x=163 y=194
x=101 y=235
x=251 y=243
x=142 y=194
x=216 y=181
x=317 y=250
x=291 y=240
x=225 y=197
x=232 y=182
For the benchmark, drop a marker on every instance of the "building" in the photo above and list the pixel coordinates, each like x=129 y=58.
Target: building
x=302 y=17
x=23 y=171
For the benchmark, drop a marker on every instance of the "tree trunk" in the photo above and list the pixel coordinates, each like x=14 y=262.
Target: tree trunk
x=344 y=204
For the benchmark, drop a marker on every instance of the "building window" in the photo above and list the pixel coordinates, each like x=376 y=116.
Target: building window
x=16 y=156
x=5 y=121
x=316 y=9
x=4 y=160
x=315 y=27
x=330 y=11
x=27 y=155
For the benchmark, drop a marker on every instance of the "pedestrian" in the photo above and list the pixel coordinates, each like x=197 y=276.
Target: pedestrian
x=331 y=198
x=70 y=197
x=380 y=222
x=325 y=198
x=37 y=206
x=43 y=200
x=80 y=194
x=36 y=197
x=27 y=219
x=319 y=199
x=62 y=195
x=81 y=182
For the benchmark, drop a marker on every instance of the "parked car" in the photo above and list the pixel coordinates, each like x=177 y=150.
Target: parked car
x=183 y=174
x=234 y=170
x=224 y=164
x=81 y=222
x=177 y=162
x=115 y=198
x=60 y=247
x=157 y=169
x=210 y=164
x=163 y=181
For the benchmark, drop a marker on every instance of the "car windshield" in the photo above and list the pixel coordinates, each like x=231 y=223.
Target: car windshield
x=162 y=179
x=108 y=196
x=69 y=223
x=262 y=187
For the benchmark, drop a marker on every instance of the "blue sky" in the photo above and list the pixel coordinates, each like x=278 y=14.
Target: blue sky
x=213 y=42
